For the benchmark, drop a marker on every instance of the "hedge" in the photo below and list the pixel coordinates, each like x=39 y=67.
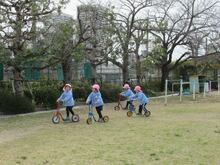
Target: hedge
x=11 y=104
x=45 y=94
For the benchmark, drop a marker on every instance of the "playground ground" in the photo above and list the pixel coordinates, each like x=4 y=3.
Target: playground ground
x=179 y=133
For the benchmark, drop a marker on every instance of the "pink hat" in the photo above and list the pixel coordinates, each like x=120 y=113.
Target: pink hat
x=68 y=85
x=126 y=86
x=137 y=88
x=96 y=86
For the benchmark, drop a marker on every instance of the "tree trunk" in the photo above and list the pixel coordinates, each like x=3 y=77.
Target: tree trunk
x=165 y=74
x=67 y=69
x=94 y=74
x=138 y=69
x=125 y=73
x=18 y=83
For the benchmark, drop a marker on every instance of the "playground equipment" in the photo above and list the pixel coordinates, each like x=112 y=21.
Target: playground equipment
x=119 y=105
x=91 y=117
x=196 y=85
x=57 y=116
x=181 y=84
x=132 y=111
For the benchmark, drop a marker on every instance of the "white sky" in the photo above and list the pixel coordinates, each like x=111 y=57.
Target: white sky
x=71 y=7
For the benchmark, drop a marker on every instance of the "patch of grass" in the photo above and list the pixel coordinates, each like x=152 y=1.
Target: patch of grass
x=23 y=157
x=186 y=133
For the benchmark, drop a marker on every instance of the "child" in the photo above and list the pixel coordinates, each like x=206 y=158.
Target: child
x=95 y=99
x=128 y=94
x=141 y=97
x=67 y=99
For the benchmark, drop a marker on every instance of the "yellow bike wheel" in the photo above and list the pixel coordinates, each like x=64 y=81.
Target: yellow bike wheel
x=105 y=119
x=89 y=121
x=129 y=113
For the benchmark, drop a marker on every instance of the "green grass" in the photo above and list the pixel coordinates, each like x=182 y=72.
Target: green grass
x=186 y=133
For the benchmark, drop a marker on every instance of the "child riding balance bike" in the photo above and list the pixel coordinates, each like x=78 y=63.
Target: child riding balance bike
x=126 y=93
x=143 y=100
x=95 y=100
x=66 y=99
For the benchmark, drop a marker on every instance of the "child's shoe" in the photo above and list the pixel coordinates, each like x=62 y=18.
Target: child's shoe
x=67 y=119
x=101 y=120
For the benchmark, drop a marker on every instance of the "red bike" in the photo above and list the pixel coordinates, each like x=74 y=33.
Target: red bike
x=119 y=106
x=58 y=116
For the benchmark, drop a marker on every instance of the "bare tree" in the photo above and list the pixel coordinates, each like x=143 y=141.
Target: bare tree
x=94 y=17
x=18 y=19
x=173 y=24
x=124 y=27
x=64 y=44
x=140 y=37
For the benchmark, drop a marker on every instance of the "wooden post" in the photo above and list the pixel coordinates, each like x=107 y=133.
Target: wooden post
x=13 y=86
x=181 y=89
x=166 y=85
x=194 y=90
x=219 y=84
x=204 y=91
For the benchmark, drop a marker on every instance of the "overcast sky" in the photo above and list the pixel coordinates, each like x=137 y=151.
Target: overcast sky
x=71 y=8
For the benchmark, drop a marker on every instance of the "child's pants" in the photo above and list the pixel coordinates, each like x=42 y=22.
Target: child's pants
x=99 y=110
x=69 y=109
x=129 y=102
x=141 y=107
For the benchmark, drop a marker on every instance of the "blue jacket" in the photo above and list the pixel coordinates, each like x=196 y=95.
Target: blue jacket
x=67 y=98
x=142 y=99
x=95 y=99
x=128 y=93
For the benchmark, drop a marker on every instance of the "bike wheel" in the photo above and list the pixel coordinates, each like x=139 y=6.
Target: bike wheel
x=117 y=108
x=105 y=119
x=75 y=118
x=129 y=113
x=56 y=119
x=147 y=113
x=89 y=121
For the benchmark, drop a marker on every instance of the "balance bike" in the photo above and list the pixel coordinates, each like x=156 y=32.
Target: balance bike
x=132 y=110
x=57 y=116
x=91 y=117
x=119 y=106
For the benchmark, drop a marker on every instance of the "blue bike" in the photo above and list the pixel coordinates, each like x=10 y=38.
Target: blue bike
x=132 y=110
x=92 y=118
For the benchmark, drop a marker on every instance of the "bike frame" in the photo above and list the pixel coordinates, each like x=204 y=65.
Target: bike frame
x=132 y=108
x=90 y=113
x=57 y=112
x=119 y=105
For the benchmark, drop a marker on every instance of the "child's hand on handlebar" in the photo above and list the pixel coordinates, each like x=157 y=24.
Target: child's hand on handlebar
x=89 y=103
x=60 y=102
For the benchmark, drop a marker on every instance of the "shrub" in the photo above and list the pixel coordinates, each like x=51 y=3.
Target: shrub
x=46 y=92
x=6 y=85
x=110 y=92
x=148 y=89
x=80 y=91
x=46 y=96
x=11 y=104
